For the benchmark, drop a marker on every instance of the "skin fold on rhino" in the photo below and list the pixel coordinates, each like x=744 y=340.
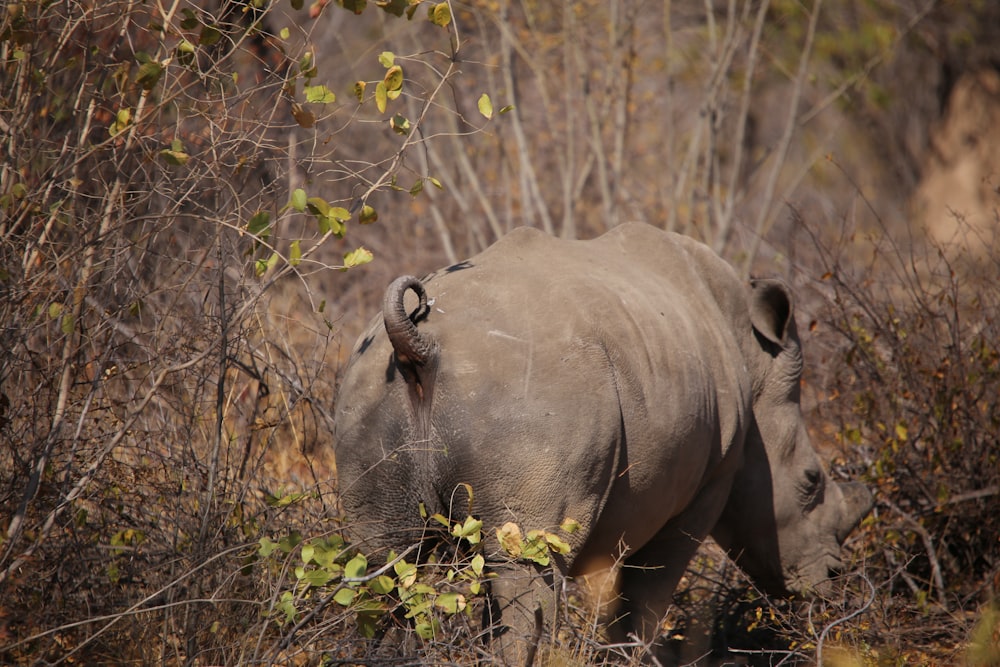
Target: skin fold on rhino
x=632 y=383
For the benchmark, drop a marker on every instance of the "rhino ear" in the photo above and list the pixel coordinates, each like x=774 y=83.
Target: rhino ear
x=771 y=309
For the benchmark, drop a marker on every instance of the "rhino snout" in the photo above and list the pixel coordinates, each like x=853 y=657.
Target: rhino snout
x=858 y=502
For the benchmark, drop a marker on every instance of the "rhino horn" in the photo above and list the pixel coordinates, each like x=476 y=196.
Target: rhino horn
x=858 y=503
x=410 y=345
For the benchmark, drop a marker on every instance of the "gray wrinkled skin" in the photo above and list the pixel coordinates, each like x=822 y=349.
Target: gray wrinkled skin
x=632 y=383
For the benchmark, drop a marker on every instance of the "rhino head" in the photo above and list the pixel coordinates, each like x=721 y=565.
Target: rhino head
x=785 y=518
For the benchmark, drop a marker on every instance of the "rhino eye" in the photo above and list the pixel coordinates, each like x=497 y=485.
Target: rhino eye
x=811 y=488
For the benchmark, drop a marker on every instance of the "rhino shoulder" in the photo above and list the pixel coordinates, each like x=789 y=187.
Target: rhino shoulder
x=656 y=247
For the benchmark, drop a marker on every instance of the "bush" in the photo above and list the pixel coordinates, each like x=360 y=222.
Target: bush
x=914 y=392
x=155 y=192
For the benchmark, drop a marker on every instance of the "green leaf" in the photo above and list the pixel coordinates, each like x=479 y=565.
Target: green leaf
x=536 y=547
x=356 y=6
x=557 y=544
x=569 y=525
x=400 y=124
x=317 y=206
x=417 y=188
x=368 y=622
x=67 y=324
x=294 y=254
x=55 y=310
x=316 y=577
x=344 y=596
x=308 y=550
x=122 y=119
x=505 y=109
x=176 y=158
x=427 y=629
x=356 y=567
x=326 y=551
x=319 y=95
x=287 y=606
x=359 y=90
x=149 y=74
x=284 y=33
x=393 y=78
x=381 y=96
x=209 y=36
x=478 y=563
x=406 y=573
x=368 y=215
x=435 y=182
x=386 y=59
x=190 y=20
x=298 y=200
x=470 y=530
x=485 y=106
x=307 y=65
x=357 y=257
x=262 y=265
x=260 y=225
x=439 y=14
x=285 y=500
x=451 y=603
x=266 y=547
x=289 y=542
x=394 y=7
x=382 y=584
x=297 y=4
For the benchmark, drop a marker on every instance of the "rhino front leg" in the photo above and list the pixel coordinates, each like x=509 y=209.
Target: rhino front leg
x=523 y=609
x=648 y=580
x=650 y=575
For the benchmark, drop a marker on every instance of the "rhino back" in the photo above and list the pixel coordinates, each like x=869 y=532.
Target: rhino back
x=576 y=379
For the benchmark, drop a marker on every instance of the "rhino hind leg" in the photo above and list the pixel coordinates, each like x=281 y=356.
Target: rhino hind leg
x=523 y=608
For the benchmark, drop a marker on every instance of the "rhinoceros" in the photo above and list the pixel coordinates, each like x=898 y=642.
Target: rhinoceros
x=632 y=383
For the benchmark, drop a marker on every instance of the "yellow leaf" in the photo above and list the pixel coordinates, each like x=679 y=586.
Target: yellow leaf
x=569 y=525
x=439 y=14
x=357 y=257
x=509 y=536
x=485 y=106
x=901 y=431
